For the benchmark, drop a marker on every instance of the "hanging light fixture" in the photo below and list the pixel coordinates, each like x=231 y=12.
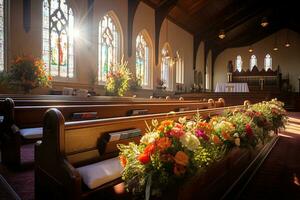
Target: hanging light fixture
x=250 y=49
x=287 y=42
x=264 y=22
x=222 y=34
x=275 y=43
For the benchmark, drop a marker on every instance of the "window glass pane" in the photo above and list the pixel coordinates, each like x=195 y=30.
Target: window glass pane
x=253 y=62
x=239 y=63
x=268 y=62
x=108 y=46
x=142 y=60
x=58 y=38
x=2 y=34
x=165 y=67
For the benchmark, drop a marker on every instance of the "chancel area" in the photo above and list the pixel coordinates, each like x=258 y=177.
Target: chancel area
x=149 y=99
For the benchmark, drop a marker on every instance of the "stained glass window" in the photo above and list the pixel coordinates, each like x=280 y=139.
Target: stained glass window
x=268 y=62
x=143 y=60
x=109 y=46
x=179 y=69
x=58 y=38
x=239 y=63
x=166 y=68
x=253 y=62
x=2 y=34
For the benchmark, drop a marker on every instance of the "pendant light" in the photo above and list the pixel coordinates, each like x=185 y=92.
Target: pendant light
x=264 y=22
x=275 y=43
x=222 y=34
x=287 y=41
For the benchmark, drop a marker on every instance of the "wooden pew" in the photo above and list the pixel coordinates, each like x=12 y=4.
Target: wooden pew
x=76 y=145
x=23 y=124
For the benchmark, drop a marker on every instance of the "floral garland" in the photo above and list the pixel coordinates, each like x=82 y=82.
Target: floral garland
x=172 y=152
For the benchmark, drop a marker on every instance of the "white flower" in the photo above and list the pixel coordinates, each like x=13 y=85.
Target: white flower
x=190 y=141
x=190 y=124
x=182 y=120
x=149 y=137
x=237 y=141
x=154 y=122
x=236 y=135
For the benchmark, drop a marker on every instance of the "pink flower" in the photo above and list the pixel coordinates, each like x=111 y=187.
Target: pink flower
x=200 y=133
x=176 y=131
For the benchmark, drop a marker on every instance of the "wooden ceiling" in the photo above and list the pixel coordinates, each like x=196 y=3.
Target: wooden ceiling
x=239 y=18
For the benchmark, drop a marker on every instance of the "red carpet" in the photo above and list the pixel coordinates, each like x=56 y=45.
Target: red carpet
x=278 y=177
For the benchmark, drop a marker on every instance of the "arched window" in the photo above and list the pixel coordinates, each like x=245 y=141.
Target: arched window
x=253 y=62
x=239 y=63
x=58 y=38
x=179 y=69
x=109 y=45
x=143 y=59
x=268 y=62
x=2 y=34
x=166 y=67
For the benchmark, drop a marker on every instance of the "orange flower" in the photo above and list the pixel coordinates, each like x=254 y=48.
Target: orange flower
x=181 y=158
x=123 y=160
x=161 y=128
x=150 y=148
x=167 y=122
x=216 y=139
x=163 y=143
x=144 y=158
x=225 y=135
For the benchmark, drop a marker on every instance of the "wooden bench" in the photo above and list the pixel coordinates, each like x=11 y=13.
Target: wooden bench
x=73 y=146
x=23 y=124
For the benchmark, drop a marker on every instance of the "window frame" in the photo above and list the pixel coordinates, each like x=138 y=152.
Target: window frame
x=119 y=51
x=149 y=60
x=60 y=78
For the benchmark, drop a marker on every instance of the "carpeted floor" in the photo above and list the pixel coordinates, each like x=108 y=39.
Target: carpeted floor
x=278 y=178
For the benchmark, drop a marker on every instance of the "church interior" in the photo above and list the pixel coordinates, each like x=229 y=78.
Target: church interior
x=149 y=99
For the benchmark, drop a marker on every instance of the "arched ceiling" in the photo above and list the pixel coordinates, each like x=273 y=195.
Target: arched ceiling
x=239 y=18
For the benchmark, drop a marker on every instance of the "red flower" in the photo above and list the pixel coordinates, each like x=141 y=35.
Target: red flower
x=144 y=158
x=249 y=131
x=150 y=148
x=123 y=160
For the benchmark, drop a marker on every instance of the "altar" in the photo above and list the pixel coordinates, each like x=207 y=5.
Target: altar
x=232 y=87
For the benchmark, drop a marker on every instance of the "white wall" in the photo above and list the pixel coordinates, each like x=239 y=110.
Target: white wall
x=86 y=46
x=287 y=58
x=182 y=41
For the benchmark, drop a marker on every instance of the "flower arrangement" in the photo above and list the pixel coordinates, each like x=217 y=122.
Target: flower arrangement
x=135 y=82
x=172 y=152
x=29 y=72
x=117 y=79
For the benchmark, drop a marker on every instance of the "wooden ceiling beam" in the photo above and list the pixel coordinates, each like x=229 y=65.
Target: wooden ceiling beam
x=132 y=6
x=160 y=14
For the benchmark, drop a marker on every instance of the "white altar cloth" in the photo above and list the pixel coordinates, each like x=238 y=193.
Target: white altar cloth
x=232 y=87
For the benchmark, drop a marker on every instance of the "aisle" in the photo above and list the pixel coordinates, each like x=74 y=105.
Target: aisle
x=279 y=176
